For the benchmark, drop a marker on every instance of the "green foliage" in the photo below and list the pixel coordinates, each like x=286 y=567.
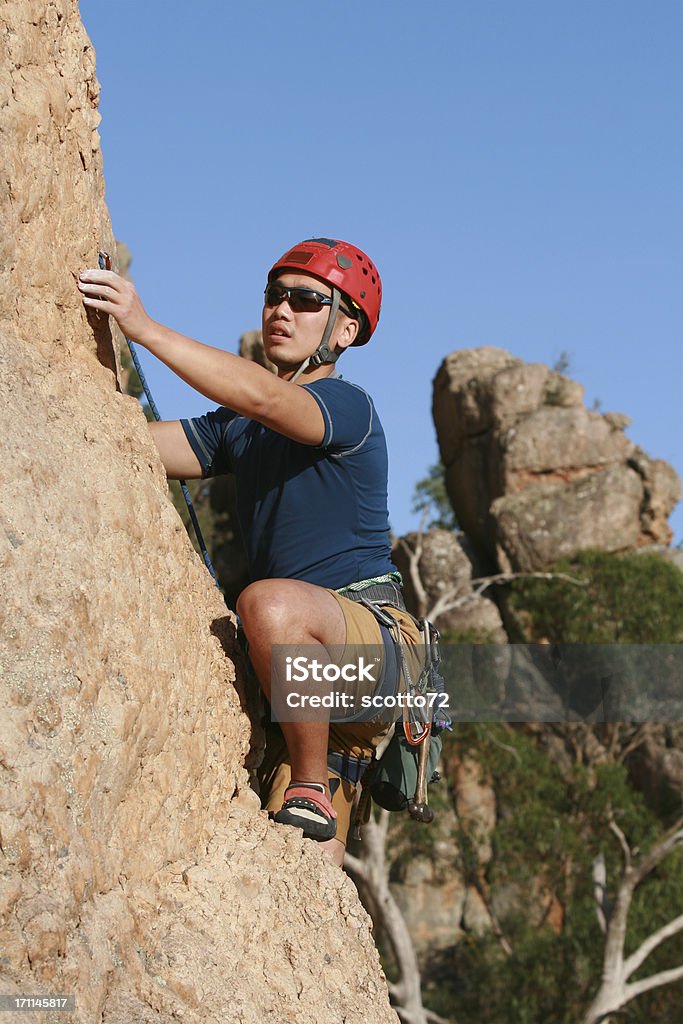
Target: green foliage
x=633 y=599
x=551 y=824
x=430 y=496
x=409 y=839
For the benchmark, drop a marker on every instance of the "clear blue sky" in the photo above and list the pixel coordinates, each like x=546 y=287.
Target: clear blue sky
x=513 y=167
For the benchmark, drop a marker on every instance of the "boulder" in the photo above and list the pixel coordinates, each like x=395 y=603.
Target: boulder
x=562 y=443
x=251 y=347
x=138 y=872
x=445 y=573
x=532 y=474
x=543 y=523
x=662 y=492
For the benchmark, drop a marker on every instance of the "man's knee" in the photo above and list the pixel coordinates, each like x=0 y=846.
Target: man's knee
x=266 y=603
x=292 y=608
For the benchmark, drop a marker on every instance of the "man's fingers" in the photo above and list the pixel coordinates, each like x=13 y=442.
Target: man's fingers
x=102 y=304
x=99 y=276
x=101 y=290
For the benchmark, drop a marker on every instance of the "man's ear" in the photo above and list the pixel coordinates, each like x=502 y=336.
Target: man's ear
x=346 y=332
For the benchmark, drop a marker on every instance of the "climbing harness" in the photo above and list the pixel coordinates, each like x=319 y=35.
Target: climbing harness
x=104 y=262
x=384 y=589
x=409 y=762
x=398 y=774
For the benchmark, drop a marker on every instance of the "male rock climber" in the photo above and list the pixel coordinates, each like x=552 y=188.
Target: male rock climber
x=309 y=456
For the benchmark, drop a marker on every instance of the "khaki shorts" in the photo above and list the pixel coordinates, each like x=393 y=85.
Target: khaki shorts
x=355 y=739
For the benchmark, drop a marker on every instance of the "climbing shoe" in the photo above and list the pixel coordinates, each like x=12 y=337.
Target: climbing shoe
x=306 y=807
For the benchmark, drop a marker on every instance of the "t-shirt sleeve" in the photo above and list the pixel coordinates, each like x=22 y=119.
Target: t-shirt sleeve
x=347 y=411
x=209 y=441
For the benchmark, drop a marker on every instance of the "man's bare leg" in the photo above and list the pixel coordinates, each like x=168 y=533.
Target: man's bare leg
x=292 y=612
x=335 y=850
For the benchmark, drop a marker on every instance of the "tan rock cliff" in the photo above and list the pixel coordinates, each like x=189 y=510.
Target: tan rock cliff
x=136 y=870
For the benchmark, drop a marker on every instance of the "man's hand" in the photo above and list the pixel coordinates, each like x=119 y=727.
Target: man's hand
x=109 y=293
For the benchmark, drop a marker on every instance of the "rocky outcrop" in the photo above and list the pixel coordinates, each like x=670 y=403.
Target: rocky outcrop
x=444 y=590
x=532 y=474
x=138 y=872
x=251 y=347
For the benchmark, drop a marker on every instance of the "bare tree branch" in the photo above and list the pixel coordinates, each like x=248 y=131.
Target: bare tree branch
x=395 y=992
x=657 y=854
x=448 y=601
x=507 y=577
x=615 y=991
x=434 y=1018
x=625 y=848
x=600 y=892
x=372 y=872
x=414 y=566
x=633 y=962
x=356 y=866
x=636 y=988
x=634 y=742
x=482 y=889
x=503 y=746
x=382 y=821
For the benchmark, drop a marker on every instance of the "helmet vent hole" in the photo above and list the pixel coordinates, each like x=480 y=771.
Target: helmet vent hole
x=365 y=271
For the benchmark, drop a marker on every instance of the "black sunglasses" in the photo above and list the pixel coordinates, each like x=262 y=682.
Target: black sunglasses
x=301 y=300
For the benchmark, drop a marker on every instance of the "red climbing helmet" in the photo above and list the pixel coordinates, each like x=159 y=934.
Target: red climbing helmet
x=342 y=266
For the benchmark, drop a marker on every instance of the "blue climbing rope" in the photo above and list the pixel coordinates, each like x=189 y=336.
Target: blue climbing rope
x=104 y=262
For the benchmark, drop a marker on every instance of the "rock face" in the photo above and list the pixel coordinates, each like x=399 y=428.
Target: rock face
x=137 y=871
x=532 y=474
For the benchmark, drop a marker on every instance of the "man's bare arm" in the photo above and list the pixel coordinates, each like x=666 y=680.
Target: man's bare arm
x=224 y=378
x=180 y=462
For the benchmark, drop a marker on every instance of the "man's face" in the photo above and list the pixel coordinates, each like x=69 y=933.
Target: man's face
x=289 y=337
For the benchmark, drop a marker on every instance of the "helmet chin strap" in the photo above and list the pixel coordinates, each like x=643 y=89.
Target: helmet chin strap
x=323 y=353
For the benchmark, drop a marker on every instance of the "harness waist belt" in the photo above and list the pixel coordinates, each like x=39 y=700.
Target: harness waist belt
x=380 y=593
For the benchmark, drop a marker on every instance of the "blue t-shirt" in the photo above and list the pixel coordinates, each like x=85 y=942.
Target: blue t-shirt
x=307 y=512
